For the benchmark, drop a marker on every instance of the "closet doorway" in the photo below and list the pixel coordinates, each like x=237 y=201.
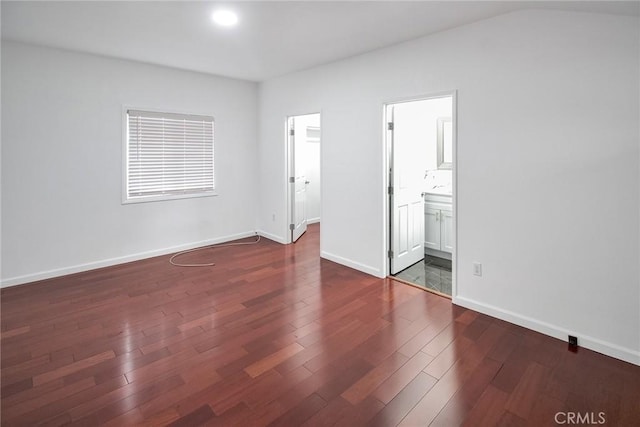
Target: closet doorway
x=303 y=141
x=420 y=140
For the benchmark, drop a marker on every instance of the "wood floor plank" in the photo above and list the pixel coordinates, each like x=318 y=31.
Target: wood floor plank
x=400 y=378
x=14 y=332
x=448 y=357
x=528 y=389
x=372 y=380
x=109 y=397
x=351 y=341
x=215 y=394
x=195 y=380
x=273 y=334
x=266 y=393
x=416 y=343
x=34 y=405
x=132 y=417
x=459 y=374
x=402 y=403
x=244 y=386
x=330 y=414
x=234 y=416
x=354 y=371
x=489 y=408
x=17 y=387
x=60 y=407
x=360 y=414
x=130 y=402
x=301 y=412
x=198 y=417
x=461 y=403
x=273 y=360
x=73 y=367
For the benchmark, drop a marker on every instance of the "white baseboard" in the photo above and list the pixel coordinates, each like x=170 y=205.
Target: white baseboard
x=49 y=274
x=313 y=220
x=353 y=264
x=597 y=345
x=273 y=237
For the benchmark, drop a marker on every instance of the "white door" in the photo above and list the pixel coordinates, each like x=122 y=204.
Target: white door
x=432 y=228
x=298 y=182
x=406 y=180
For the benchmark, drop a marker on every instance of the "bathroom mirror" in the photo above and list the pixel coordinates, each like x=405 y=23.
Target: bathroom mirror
x=445 y=143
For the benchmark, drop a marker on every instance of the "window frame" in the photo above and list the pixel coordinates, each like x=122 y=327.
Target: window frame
x=125 y=159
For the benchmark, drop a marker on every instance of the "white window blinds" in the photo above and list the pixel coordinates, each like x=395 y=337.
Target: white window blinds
x=168 y=155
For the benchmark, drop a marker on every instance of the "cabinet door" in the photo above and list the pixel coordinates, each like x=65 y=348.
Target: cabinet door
x=432 y=228
x=446 y=230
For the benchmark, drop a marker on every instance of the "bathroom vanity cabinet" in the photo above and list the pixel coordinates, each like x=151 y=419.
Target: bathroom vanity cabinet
x=438 y=225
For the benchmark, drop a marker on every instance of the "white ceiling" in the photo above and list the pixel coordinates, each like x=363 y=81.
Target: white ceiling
x=272 y=38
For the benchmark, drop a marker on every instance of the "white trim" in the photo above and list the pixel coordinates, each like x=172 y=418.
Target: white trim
x=287 y=185
x=597 y=345
x=278 y=239
x=353 y=264
x=422 y=97
x=313 y=220
x=148 y=199
x=49 y=274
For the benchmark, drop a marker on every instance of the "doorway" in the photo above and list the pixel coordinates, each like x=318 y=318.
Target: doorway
x=420 y=138
x=303 y=141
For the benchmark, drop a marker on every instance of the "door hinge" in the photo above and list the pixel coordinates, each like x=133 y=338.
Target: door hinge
x=390 y=126
x=292 y=180
x=390 y=254
x=292 y=132
x=390 y=189
x=292 y=227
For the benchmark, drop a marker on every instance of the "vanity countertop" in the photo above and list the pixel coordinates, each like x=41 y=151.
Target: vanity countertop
x=439 y=191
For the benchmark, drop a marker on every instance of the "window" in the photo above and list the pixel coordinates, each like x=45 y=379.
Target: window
x=168 y=156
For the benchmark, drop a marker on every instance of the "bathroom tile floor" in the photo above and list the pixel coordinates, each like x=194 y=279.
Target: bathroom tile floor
x=431 y=273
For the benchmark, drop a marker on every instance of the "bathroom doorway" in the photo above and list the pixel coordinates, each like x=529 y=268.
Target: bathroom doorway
x=420 y=141
x=303 y=140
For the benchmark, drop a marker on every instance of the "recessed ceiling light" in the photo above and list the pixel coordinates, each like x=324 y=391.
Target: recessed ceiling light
x=225 y=18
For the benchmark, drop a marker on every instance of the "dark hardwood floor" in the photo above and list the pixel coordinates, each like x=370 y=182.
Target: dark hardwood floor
x=273 y=335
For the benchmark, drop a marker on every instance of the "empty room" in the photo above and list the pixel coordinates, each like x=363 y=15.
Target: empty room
x=320 y=213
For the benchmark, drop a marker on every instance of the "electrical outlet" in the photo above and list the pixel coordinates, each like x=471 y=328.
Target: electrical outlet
x=477 y=269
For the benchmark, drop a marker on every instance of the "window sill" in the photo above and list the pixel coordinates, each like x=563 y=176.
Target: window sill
x=161 y=198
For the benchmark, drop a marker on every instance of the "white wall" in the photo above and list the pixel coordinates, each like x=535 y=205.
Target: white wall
x=547 y=155
x=62 y=161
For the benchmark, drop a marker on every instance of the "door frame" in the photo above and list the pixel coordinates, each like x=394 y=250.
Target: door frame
x=289 y=170
x=386 y=179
